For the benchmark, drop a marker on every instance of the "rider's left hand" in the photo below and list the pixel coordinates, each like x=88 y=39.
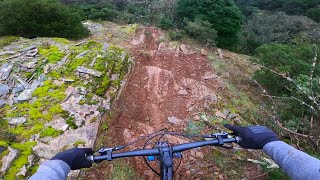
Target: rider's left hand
x=75 y=158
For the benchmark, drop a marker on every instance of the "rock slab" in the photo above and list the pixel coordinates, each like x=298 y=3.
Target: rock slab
x=7 y=160
x=17 y=121
x=89 y=71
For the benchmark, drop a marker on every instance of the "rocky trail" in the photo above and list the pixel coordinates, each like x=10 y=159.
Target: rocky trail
x=120 y=84
x=169 y=86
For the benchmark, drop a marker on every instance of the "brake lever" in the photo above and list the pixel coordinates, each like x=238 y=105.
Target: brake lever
x=216 y=135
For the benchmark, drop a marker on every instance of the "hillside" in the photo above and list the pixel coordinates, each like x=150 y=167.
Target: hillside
x=54 y=99
x=185 y=88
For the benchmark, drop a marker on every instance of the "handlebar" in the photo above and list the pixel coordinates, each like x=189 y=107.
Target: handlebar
x=153 y=152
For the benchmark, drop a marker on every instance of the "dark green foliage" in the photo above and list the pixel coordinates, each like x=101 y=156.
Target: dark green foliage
x=314 y=13
x=176 y=34
x=289 y=60
x=166 y=23
x=292 y=7
x=201 y=31
x=224 y=16
x=294 y=61
x=40 y=18
x=266 y=27
x=106 y=12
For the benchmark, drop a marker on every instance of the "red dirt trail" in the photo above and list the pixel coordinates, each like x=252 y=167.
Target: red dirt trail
x=164 y=82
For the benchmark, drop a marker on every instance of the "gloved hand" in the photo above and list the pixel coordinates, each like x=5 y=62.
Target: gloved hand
x=75 y=157
x=253 y=137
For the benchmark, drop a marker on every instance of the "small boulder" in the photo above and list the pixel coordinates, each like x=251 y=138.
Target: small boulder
x=32 y=53
x=59 y=124
x=115 y=77
x=23 y=171
x=213 y=98
x=5 y=71
x=209 y=75
x=174 y=120
x=220 y=114
x=226 y=112
x=4 y=89
x=183 y=92
x=204 y=52
x=162 y=46
x=25 y=95
x=18 y=89
x=17 y=121
x=89 y=71
x=184 y=49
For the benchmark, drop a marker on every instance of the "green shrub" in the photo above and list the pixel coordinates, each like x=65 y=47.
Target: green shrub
x=165 y=23
x=224 y=16
x=176 y=34
x=201 y=31
x=40 y=18
x=314 y=13
x=106 y=12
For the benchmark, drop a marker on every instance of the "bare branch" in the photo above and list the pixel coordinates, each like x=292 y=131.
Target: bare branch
x=274 y=117
x=314 y=63
x=312 y=99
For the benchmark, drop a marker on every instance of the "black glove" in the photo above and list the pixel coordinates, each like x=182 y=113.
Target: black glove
x=75 y=158
x=253 y=137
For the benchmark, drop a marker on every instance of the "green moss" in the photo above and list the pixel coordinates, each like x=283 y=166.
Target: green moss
x=105 y=127
x=43 y=90
x=7 y=40
x=25 y=132
x=55 y=74
x=92 y=45
x=25 y=151
x=70 y=121
x=50 y=132
x=101 y=89
x=61 y=40
x=34 y=169
x=52 y=54
x=56 y=109
x=4 y=143
x=74 y=63
x=78 y=143
x=93 y=120
x=131 y=28
x=35 y=114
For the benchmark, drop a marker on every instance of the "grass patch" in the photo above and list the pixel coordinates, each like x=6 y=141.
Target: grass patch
x=7 y=40
x=50 y=132
x=79 y=143
x=195 y=127
x=52 y=54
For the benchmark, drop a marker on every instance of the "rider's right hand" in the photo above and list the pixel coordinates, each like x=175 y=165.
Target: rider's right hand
x=253 y=137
